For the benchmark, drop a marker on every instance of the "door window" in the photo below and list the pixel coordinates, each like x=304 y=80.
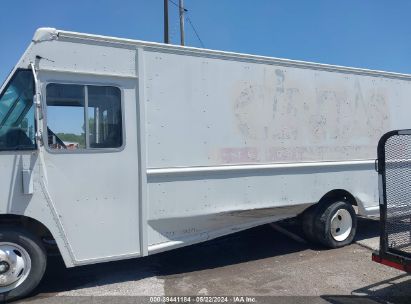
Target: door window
x=83 y=117
x=17 y=126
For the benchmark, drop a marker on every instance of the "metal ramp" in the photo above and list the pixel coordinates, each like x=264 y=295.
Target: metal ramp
x=394 y=169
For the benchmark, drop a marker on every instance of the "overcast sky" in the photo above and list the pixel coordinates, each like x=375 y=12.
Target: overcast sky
x=371 y=34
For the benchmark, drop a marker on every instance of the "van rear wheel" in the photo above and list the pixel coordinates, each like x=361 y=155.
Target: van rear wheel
x=335 y=224
x=22 y=263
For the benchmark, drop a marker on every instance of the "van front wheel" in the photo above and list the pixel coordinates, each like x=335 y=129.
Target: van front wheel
x=22 y=263
x=336 y=224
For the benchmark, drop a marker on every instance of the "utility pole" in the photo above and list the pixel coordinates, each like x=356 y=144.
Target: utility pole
x=166 y=36
x=182 y=10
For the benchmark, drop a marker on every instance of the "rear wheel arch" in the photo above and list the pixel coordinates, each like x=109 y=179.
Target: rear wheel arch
x=329 y=198
x=338 y=194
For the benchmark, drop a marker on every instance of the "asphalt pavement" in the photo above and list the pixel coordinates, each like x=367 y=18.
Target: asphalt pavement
x=261 y=263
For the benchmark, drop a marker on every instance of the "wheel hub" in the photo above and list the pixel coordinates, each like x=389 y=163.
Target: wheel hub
x=4 y=267
x=15 y=265
x=341 y=225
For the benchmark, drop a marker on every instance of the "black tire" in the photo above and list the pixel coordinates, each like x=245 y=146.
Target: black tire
x=322 y=224
x=38 y=257
x=307 y=223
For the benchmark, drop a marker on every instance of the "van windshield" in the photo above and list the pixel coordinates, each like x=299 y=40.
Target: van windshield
x=17 y=127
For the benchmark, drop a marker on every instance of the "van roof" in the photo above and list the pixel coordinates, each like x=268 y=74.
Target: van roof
x=44 y=34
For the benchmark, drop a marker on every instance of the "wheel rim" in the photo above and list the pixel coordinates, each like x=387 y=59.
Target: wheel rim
x=15 y=266
x=341 y=225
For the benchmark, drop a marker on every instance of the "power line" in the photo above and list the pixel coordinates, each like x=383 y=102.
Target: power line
x=195 y=31
x=176 y=5
x=172 y=2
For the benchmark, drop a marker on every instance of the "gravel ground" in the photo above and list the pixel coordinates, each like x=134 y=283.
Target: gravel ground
x=259 y=262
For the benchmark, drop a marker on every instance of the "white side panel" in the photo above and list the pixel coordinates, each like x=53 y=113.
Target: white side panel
x=210 y=113
x=207 y=111
x=185 y=205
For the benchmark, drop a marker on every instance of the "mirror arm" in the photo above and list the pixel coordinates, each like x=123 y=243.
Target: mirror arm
x=38 y=111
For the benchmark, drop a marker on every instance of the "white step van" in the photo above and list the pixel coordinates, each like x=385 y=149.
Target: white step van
x=114 y=148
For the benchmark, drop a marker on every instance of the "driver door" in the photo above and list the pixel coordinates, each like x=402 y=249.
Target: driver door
x=92 y=166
